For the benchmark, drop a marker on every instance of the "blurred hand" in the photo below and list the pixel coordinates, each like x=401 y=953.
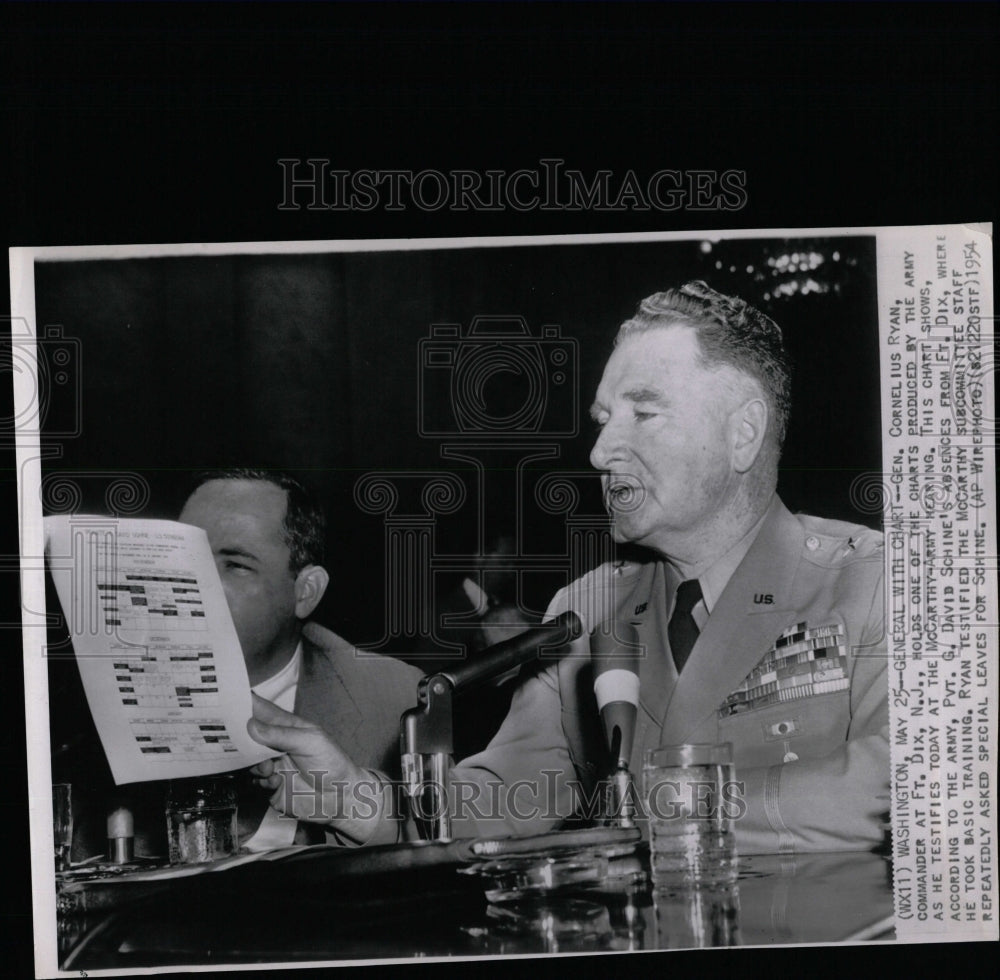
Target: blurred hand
x=501 y=623
x=313 y=779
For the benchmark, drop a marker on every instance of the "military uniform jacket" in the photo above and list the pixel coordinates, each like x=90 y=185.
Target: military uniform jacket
x=790 y=668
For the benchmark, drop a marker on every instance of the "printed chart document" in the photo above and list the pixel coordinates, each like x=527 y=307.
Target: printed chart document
x=156 y=646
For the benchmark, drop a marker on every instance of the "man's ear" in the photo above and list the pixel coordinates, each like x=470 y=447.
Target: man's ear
x=310 y=584
x=749 y=427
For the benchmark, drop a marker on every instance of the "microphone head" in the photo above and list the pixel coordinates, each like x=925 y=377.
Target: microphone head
x=615 y=653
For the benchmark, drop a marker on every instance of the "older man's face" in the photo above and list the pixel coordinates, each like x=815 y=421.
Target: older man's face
x=243 y=520
x=664 y=445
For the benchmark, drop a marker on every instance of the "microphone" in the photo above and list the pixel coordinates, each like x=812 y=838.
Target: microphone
x=615 y=651
x=425 y=735
x=501 y=657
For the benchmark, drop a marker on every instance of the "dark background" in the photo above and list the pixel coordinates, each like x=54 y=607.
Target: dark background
x=313 y=363
x=163 y=123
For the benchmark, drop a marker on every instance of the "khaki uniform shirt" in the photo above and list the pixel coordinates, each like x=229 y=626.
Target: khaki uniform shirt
x=790 y=667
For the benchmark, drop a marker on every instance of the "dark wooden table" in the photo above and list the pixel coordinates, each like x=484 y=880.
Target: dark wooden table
x=325 y=905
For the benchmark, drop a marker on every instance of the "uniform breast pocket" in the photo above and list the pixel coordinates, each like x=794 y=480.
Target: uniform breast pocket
x=806 y=728
x=795 y=703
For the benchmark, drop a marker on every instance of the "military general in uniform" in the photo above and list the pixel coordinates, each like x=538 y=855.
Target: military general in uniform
x=758 y=626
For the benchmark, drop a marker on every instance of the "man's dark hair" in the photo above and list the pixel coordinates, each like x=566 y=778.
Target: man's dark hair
x=304 y=521
x=730 y=331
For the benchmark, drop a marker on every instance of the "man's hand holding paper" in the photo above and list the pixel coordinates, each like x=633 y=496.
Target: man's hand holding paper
x=315 y=780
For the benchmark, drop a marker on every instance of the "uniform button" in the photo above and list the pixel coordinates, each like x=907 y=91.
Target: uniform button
x=812 y=543
x=790 y=757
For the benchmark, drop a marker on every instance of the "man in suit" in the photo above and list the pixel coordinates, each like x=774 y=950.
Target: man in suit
x=758 y=627
x=267 y=536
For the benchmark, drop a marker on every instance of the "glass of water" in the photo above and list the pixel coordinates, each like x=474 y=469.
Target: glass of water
x=201 y=819
x=691 y=798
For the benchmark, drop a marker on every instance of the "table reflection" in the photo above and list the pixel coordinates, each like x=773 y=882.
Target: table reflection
x=777 y=899
x=435 y=911
x=697 y=918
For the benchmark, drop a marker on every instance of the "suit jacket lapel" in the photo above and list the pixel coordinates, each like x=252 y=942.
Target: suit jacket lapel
x=323 y=698
x=739 y=630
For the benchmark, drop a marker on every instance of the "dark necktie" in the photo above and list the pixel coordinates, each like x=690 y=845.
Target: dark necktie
x=682 y=630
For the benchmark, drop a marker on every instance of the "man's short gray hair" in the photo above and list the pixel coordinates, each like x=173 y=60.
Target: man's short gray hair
x=730 y=331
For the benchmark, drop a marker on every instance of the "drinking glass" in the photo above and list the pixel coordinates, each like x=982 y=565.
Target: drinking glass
x=201 y=819
x=690 y=796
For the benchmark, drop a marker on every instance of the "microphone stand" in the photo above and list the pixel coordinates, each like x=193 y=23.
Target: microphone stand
x=615 y=654
x=426 y=746
x=621 y=810
x=426 y=731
